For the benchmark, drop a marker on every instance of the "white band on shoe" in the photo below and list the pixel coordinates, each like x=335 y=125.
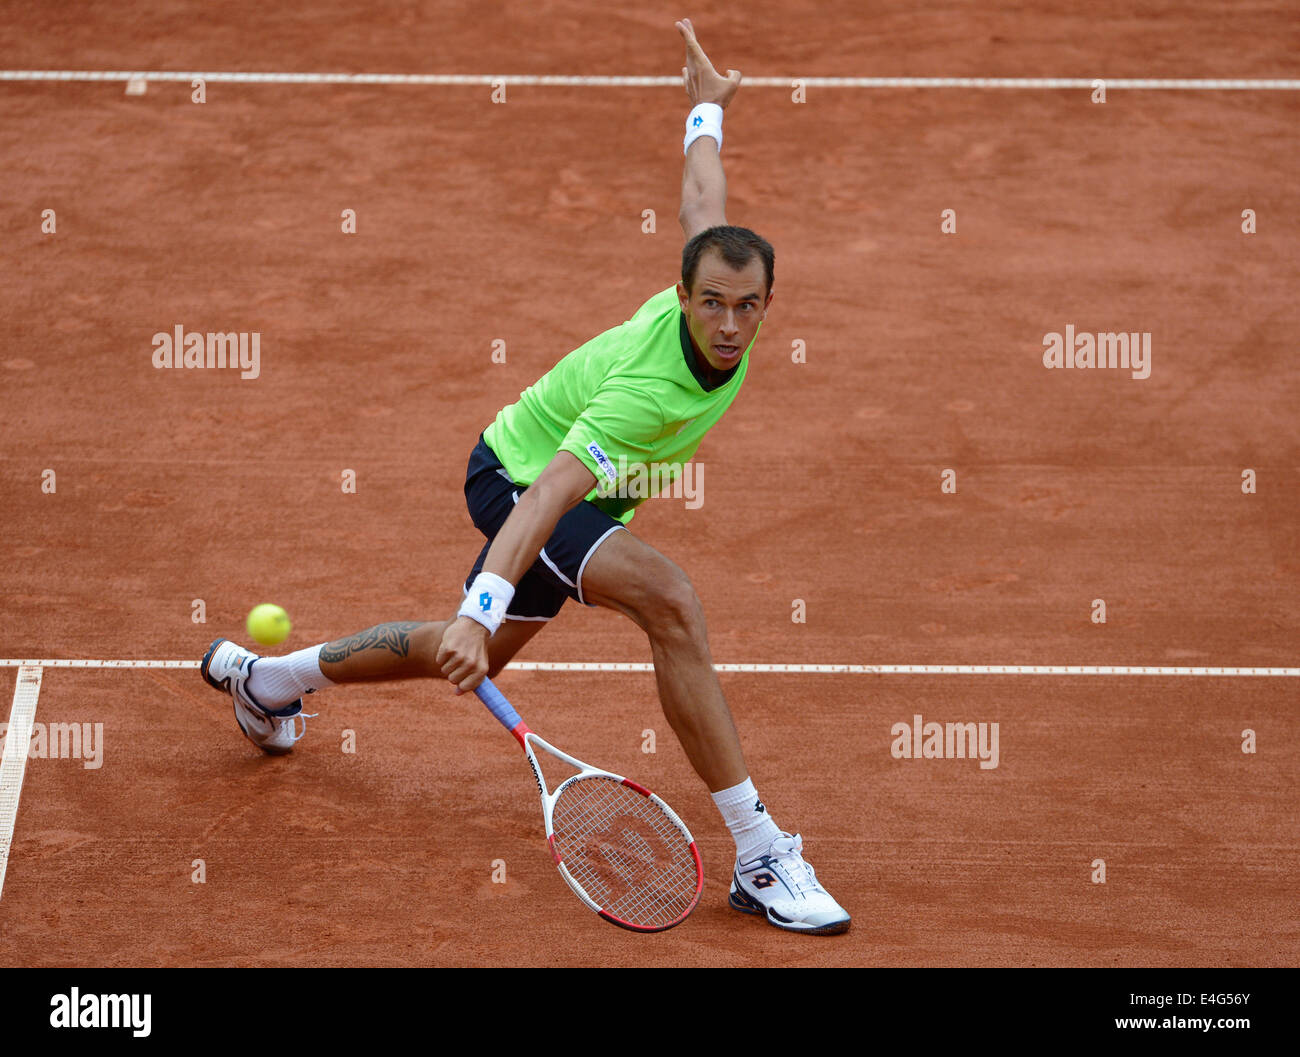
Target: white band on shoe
x=488 y=597
x=705 y=119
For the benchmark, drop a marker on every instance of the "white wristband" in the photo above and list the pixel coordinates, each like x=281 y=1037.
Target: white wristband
x=704 y=120
x=488 y=597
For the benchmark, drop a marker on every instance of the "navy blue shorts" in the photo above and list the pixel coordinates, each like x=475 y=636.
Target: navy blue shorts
x=556 y=575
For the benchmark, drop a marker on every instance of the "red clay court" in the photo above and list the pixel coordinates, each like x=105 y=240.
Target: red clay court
x=521 y=222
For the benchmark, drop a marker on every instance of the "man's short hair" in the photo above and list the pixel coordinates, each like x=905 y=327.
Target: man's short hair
x=737 y=246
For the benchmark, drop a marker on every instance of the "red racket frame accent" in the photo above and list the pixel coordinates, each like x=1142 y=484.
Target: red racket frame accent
x=639 y=788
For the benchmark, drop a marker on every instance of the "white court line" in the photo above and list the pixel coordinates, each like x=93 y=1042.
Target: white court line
x=791 y=669
x=13 y=762
x=23 y=714
x=491 y=80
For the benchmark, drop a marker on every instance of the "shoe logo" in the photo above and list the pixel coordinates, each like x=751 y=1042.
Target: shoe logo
x=762 y=880
x=759 y=808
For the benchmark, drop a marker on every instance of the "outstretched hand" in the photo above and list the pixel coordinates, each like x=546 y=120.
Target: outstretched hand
x=462 y=655
x=703 y=83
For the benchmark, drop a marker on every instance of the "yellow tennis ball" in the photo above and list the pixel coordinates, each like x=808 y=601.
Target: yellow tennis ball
x=269 y=624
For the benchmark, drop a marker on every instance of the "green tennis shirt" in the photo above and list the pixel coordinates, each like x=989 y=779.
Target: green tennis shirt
x=632 y=404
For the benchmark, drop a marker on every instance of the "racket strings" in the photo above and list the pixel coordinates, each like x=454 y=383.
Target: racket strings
x=624 y=851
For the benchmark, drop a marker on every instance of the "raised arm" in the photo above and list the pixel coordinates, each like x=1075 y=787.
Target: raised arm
x=704 y=186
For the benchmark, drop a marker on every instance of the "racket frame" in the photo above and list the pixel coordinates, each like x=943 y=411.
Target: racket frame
x=510 y=719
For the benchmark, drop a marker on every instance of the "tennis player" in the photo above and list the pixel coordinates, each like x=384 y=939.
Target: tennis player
x=545 y=483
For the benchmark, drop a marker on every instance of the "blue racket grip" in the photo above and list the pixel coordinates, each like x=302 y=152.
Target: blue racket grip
x=498 y=705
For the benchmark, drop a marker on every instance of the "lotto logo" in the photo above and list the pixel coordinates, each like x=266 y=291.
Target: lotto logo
x=698 y=121
x=485 y=602
x=763 y=880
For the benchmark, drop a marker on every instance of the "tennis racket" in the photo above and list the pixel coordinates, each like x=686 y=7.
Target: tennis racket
x=618 y=846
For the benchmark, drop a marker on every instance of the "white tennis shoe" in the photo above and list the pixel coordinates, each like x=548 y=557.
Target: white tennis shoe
x=226 y=667
x=782 y=887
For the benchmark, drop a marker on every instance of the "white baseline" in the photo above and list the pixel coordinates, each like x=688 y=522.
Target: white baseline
x=13 y=762
x=1188 y=84
x=791 y=669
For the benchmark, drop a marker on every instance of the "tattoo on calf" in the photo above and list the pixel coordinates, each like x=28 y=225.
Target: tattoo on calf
x=394 y=637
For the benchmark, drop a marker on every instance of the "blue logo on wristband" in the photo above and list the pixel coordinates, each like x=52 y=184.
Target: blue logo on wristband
x=698 y=121
x=485 y=602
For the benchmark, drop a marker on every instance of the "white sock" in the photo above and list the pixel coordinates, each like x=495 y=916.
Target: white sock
x=751 y=826
x=279 y=681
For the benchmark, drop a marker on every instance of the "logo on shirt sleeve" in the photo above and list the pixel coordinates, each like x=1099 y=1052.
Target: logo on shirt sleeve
x=603 y=461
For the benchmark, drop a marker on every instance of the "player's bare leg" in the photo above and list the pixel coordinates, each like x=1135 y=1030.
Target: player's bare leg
x=400 y=649
x=771 y=877
x=633 y=578
x=408 y=650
